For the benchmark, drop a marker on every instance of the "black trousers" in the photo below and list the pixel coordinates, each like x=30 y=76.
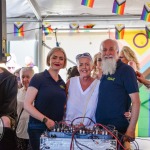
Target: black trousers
x=8 y=140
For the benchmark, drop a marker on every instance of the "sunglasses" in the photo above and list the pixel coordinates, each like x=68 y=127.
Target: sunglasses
x=86 y=55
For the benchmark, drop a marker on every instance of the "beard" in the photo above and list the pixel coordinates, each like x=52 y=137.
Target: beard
x=109 y=65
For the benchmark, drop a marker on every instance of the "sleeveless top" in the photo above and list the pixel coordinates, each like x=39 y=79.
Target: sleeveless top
x=81 y=103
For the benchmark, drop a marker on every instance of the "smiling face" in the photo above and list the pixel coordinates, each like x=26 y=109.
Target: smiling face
x=25 y=76
x=57 y=60
x=109 y=50
x=123 y=58
x=84 y=67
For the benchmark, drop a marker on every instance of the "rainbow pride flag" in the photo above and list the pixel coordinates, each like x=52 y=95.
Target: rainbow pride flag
x=118 y=7
x=47 y=30
x=119 y=31
x=19 y=29
x=146 y=12
x=147 y=29
x=88 y=3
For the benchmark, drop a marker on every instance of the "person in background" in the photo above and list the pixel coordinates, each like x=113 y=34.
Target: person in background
x=72 y=72
x=17 y=74
x=11 y=63
x=142 y=79
x=117 y=90
x=8 y=107
x=26 y=74
x=47 y=91
x=97 y=71
x=30 y=63
x=128 y=56
x=82 y=93
x=11 y=66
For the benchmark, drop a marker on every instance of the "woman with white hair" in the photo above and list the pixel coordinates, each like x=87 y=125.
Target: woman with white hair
x=26 y=74
x=82 y=93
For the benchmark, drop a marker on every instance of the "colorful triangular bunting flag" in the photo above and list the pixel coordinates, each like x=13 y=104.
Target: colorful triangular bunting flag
x=18 y=29
x=119 y=31
x=146 y=12
x=147 y=29
x=46 y=27
x=118 y=7
x=88 y=3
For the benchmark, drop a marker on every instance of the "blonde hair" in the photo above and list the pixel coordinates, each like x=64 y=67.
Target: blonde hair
x=95 y=61
x=130 y=55
x=51 y=53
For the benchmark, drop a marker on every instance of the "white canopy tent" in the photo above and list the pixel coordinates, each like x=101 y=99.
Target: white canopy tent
x=62 y=12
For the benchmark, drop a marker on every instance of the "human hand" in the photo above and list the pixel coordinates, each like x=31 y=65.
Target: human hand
x=141 y=78
x=129 y=135
x=50 y=123
x=132 y=64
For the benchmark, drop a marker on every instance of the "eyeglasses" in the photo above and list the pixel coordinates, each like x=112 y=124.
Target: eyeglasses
x=99 y=59
x=11 y=68
x=84 y=55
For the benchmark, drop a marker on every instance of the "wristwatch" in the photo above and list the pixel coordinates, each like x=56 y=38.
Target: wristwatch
x=44 y=120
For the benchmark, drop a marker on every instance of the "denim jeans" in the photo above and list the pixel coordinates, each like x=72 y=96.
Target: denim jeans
x=35 y=130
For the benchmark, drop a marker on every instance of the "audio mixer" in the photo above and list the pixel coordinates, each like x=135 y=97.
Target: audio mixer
x=94 y=139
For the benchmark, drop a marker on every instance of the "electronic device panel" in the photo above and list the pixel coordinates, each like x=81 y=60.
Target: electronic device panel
x=47 y=143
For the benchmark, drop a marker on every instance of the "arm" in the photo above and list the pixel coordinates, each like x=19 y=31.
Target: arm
x=141 y=79
x=28 y=106
x=67 y=86
x=10 y=102
x=135 y=113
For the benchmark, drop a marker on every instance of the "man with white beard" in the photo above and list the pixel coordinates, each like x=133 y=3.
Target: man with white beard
x=118 y=89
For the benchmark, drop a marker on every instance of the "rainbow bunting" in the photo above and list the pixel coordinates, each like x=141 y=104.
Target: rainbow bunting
x=18 y=29
x=118 y=7
x=88 y=3
x=89 y=26
x=146 y=12
x=147 y=29
x=47 y=30
x=119 y=31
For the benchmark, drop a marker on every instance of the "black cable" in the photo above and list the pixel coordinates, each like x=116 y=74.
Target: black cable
x=80 y=118
x=57 y=44
x=82 y=144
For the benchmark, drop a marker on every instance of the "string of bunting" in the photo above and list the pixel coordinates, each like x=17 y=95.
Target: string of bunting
x=118 y=7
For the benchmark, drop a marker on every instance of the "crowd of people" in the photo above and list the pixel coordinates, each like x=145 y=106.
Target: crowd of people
x=96 y=88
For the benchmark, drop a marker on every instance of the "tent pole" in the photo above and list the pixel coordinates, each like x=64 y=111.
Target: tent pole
x=41 y=60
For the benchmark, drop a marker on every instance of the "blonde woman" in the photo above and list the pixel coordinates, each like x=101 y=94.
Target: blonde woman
x=47 y=91
x=128 y=56
x=97 y=71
